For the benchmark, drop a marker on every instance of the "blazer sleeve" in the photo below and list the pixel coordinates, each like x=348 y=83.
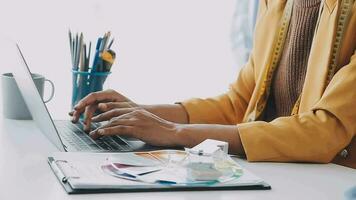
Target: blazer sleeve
x=228 y=108
x=314 y=136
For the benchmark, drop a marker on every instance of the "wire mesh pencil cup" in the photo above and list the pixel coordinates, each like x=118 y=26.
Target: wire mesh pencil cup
x=85 y=83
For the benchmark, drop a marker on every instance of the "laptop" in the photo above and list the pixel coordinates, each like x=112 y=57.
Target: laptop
x=65 y=135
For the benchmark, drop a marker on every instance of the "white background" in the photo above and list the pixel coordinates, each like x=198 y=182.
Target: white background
x=167 y=50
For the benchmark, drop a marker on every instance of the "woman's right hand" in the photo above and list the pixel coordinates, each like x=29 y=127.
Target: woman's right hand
x=102 y=101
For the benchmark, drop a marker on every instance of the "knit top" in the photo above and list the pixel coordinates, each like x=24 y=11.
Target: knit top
x=288 y=80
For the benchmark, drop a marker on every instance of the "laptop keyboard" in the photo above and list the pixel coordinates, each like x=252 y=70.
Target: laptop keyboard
x=75 y=136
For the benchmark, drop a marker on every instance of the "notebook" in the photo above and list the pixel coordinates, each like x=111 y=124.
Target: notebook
x=86 y=172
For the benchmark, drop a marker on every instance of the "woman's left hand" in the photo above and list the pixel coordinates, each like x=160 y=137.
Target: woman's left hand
x=139 y=124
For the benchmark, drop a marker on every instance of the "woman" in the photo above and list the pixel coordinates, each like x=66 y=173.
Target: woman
x=294 y=100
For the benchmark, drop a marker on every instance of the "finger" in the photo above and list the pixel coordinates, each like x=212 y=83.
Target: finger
x=88 y=115
x=112 y=105
x=76 y=116
x=90 y=99
x=94 y=97
x=121 y=121
x=130 y=114
x=118 y=121
x=112 y=113
x=71 y=113
x=116 y=130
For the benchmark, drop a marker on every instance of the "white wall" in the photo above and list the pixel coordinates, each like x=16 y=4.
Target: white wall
x=168 y=50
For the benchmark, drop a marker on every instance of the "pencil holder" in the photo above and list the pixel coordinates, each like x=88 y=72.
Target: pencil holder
x=85 y=83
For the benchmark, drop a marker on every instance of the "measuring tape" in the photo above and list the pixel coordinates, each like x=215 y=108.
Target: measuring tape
x=343 y=20
x=268 y=73
x=297 y=103
x=346 y=8
x=344 y=17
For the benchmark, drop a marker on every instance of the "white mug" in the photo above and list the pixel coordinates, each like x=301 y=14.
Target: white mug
x=14 y=106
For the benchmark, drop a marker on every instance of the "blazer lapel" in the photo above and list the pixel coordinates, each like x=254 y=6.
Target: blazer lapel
x=330 y=5
x=319 y=57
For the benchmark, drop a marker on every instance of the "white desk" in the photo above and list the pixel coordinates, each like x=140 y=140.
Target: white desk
x=25 y=174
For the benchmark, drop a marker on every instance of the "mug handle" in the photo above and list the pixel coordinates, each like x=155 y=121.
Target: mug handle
x=52 y=91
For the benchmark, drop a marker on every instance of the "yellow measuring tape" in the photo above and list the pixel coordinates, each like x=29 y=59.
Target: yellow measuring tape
x=343 y=20
x=264 y=90
x=273 y=63
x=344 y=17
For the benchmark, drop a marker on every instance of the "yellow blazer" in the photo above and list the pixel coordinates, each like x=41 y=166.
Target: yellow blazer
x=326 y=120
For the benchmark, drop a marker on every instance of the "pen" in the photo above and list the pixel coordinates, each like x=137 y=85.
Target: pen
x=88 y=59
x=80 y=48
x=70 y=46
x=85 y=57
x=73 y=45
x=107 y=39
x=102 y=45
x=108 y=58
x=76 y=49
x=98 y=43
x=112 y=41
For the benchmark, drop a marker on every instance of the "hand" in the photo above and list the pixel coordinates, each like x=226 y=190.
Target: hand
x=139 y=124
x=102 y=101
x=150 y=128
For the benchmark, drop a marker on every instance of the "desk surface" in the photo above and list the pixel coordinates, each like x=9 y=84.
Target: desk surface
x=25 y=174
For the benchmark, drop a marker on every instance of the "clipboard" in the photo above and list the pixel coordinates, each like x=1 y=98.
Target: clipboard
x=68 y=180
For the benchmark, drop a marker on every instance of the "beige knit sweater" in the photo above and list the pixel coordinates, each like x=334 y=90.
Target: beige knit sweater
x=289 y=77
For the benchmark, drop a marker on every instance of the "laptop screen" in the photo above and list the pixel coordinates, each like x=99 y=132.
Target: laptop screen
x=33 y=100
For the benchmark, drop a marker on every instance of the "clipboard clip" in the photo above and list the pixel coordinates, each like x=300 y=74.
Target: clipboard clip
x=62 y=174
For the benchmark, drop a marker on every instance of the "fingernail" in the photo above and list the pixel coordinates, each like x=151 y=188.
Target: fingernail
x=102 y=106
x=92 y=134
x=100 y=132
x=76 y=107
x=96 y=117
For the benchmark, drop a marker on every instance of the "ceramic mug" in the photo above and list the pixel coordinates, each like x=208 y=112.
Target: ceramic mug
x=14 y=106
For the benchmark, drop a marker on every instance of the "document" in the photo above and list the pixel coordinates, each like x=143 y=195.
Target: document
x=136 y=171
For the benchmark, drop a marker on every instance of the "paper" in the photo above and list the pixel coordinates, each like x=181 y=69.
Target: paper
x=89 y=175
x=164 y=166
x=209 y=147
x=133 y=160
x=173 y=167
x=167 y=157
x=203 y=172
x=167 y=176
x=127 y=171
